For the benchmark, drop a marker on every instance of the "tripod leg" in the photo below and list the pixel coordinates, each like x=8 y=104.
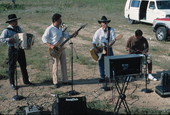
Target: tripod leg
x=126 y=107
x=119 y=105
x=116 y=106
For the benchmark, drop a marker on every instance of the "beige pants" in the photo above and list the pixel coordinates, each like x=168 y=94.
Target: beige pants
x=62 y=59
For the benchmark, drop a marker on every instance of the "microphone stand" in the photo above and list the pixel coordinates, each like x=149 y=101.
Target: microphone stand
x=146 y=90
x=17 y=97
x=72 y=92
x=105 y=87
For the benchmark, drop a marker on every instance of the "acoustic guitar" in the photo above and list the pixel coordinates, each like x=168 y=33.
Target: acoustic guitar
x=58 y=48
x=102 y=49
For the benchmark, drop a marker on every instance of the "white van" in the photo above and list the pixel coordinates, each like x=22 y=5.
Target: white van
x=146 y=10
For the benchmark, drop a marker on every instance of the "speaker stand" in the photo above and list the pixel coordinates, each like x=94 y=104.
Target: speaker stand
x=122 y=96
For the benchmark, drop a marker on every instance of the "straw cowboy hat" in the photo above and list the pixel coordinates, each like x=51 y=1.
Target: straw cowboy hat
x=12 y=17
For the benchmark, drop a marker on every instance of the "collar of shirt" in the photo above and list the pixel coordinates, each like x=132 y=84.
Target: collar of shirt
x=105 y=29
x=100 y=37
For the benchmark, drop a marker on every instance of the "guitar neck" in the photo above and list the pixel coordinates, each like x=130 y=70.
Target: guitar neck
x=62 y=44
x=75 y=32
x=71 y=36
x=117 y=38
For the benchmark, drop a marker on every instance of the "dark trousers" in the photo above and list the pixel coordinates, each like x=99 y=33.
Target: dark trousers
x=15 y=55
x=101 y=64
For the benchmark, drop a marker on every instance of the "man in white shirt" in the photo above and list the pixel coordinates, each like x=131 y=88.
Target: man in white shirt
x=52 y=37
x=103 y=36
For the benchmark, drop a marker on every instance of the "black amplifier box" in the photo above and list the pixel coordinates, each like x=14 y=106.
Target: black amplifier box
x=69 y=106
x=163 y=91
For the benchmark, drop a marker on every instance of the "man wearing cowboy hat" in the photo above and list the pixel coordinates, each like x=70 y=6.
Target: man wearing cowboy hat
x=14 y=54
x=103 y=35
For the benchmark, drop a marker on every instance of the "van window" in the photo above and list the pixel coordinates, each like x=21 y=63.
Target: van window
x=152 y=5
x=135 y=3
x=163 y=4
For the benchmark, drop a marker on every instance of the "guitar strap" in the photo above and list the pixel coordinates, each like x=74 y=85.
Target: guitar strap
x=13 y=30
x=108 y=35
x=108 y=39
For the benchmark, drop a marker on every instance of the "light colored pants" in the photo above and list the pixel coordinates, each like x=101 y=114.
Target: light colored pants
x=62 y=59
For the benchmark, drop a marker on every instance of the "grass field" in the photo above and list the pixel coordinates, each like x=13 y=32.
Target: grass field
x=36 y=16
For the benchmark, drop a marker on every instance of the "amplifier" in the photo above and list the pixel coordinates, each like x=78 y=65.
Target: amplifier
x=165 y=79
x=69 y=106
x=164 y=88
x=163 y=91
x=123 y=64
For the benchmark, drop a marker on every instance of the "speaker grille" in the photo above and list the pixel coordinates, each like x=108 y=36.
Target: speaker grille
x=69 y=105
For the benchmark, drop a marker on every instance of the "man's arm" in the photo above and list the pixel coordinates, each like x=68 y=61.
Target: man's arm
x=112 y=36
x=45 y=38
x=128 y=45
x=146 y=47
x=4 y=37
x=94 y=41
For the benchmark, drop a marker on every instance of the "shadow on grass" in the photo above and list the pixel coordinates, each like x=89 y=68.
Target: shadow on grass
x=34 y=84
x=97 y=112
x=86 y=81
x=21 y=111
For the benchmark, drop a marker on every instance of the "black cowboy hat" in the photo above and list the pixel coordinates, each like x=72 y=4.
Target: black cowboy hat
x=104 y=19
x=12 y=17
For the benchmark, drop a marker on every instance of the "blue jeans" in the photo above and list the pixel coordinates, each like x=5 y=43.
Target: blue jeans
x=101 y=64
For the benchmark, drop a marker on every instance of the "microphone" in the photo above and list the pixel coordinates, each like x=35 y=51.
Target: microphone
x=64 y=27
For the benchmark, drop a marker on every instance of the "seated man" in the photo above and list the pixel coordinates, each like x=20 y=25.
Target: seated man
x=138 y=44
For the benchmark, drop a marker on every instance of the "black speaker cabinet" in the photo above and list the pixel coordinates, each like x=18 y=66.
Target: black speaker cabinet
x=164 y=88
x=163 y=91
x=123 y=64
x=69 y=106
x=165 y=79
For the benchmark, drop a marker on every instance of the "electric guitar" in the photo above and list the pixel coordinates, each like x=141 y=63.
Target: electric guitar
x=102 y=49
x=58 y=48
